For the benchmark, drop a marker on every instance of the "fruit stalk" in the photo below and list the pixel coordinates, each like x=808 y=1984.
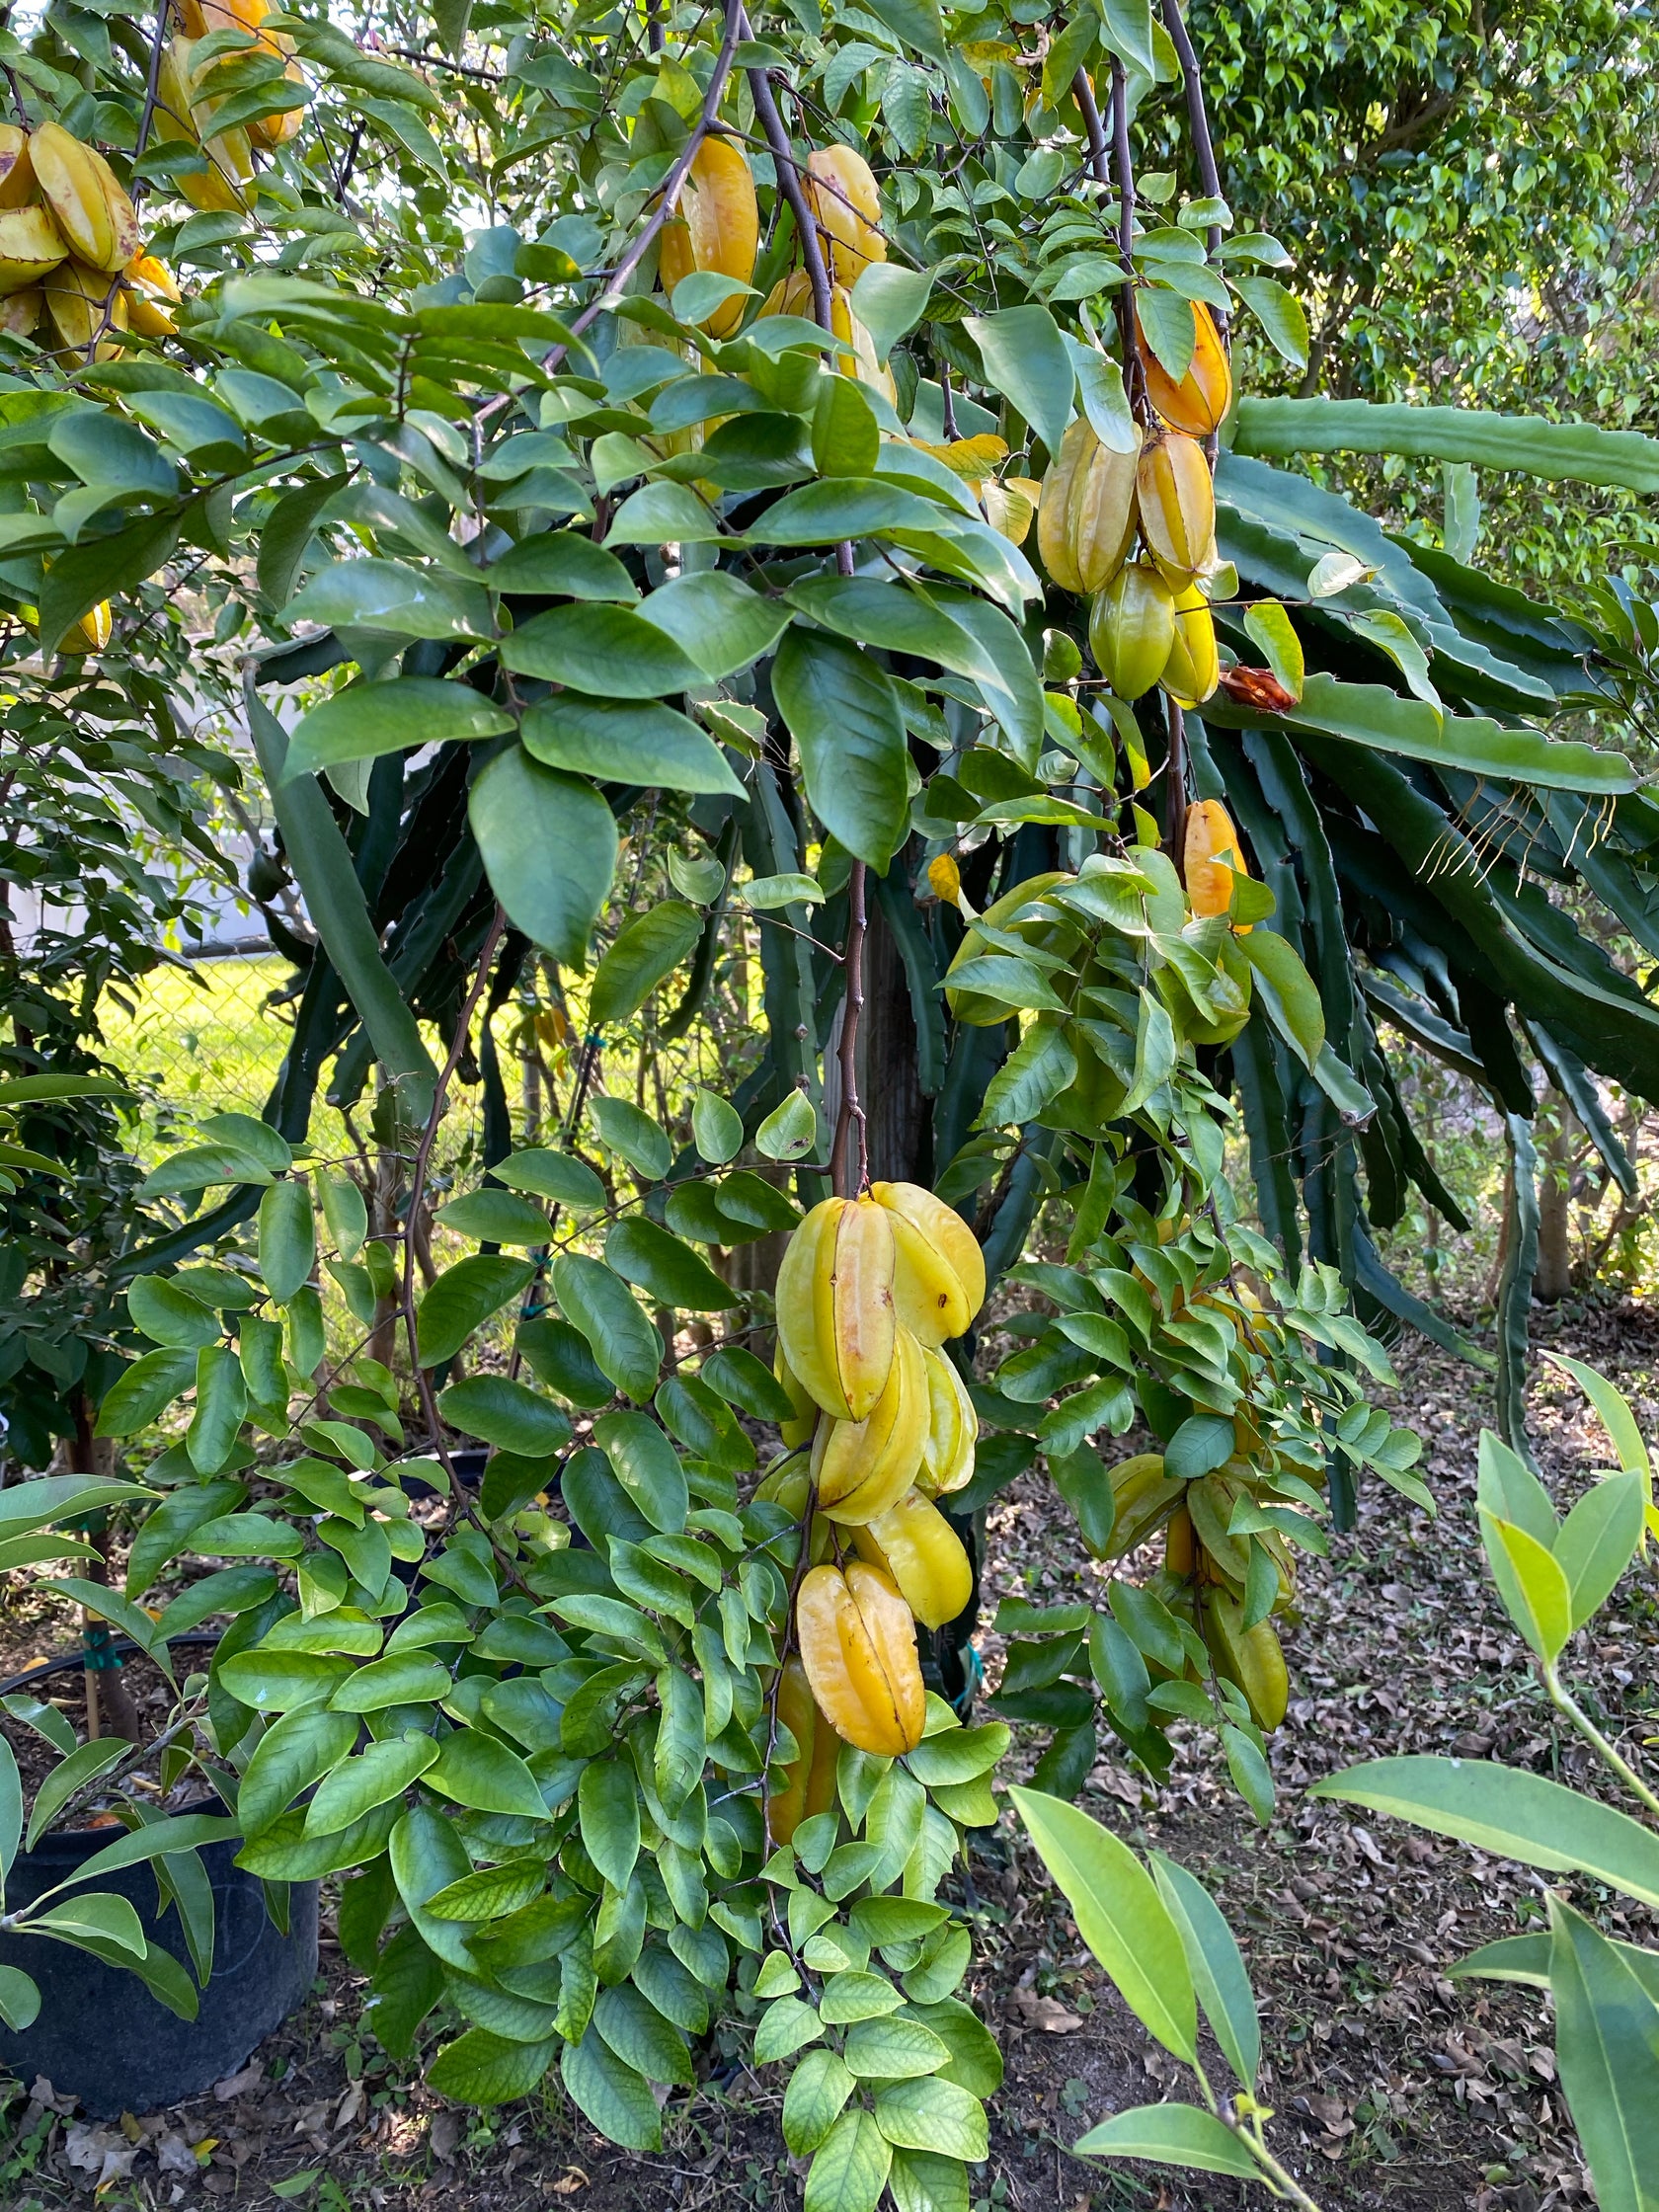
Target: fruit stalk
x=1134 y=377
x=851 y=1174
x=1198 y=122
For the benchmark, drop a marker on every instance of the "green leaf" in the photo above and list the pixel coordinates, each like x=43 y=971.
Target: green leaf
x=377 y=595
x=847 y=507
x=644 y=955
x=645 y=742
x=818 y=2090
x=101 y=1915
x=1218 y=1967
x=1532 y=1587
x=463 y=1300
x=1170 y=2135
x=1615 y=1410
x=843 y=714
x=666 y=1269
x=612 y=2096
x=608 y=652
x=480 y=2068
x=288 y=1240
x=563 y=564
x=20 y=1998
x=1280 y=314
x=1509 y=1813
x=549 y=848
x=1028 y=361
x=664 y=513
x=491 y=1893
x=1606 y=2049
x=716 y=619
x=381 y=1771
x=143 y=1390
x=485 y=1775
x=552 y=1175
x=84 y=1763
x=647 y=1466
x=222 y=1404
x=282 y=1681
x=495 y=1217
x=169 y=1315
x=1597 y=1542
x=11 y=1809
x=294 y=1753
x=402 y=1678
x=79 y=580
x=850 y=2168
x=597 y=1303
x=1273 y=631
x=1576 y=452
x=890 y=302
x=628 y=1130
x=1037 y=1070
x=607 y=1801
x=642 y=2038
x=510 y=1415
x=933 y=2115
x=787 y=2024
x=1119 y=1917
x=717 y=1130
x=845 y=437
x=367 y=719
x=893 y=2050
x=1288 y=991
x=201 y=1165
x=916 y=23
x=790 y=1129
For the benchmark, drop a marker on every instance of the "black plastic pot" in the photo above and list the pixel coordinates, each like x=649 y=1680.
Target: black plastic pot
x=101 y=2036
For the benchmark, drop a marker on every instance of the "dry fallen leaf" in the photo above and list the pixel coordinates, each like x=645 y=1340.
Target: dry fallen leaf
x=240 y=2085
x=1045 y=2012
x=572 y=2179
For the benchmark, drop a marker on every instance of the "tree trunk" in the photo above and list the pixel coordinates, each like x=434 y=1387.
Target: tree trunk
x=1553 y=1279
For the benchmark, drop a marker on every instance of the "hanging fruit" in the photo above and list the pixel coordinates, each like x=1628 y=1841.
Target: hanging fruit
x=922 y=1554
x=809 y=1780
x=1213 y=858
x=1177 y=505
x=1131 y=629
x=857 y=1642
x=717 y=227
x=862 y=1468
x=843 y=194
x=1194 y=667
x=836 y=1318
x=86 y=198
x=1199 y=403
x=1085 y=518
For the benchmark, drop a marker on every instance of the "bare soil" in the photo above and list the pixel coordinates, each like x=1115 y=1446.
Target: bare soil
x=1395 y=2085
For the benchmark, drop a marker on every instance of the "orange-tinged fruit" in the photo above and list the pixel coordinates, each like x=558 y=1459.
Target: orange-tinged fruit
x=91 y=634
x=916 y=1547
x=1198 y=404
x=809 y=1784
x=717 y=227
x=944 y=879
x=1213 y=856
x=857 y=1643
x=1177 y=503
x=843 y=197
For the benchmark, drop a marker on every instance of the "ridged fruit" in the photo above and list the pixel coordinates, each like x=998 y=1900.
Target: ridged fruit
x=1085 y=518
x=835 y=1319
x=148 y=283
x=953 y=1430
x=91 y=634
x=1193 y=669
x=275 y=130
x=1213 y=858
x=1252 y=1658
x=1178 y=502
x=843 y=194
x=922 y=1554
x=793 y=295
x=21 y=312
x=1142 y=1496
x=862 y=1468
x=857 y=1643
x=30 y=247
x=93 y=212
x=1180 y=1547
x=1198 y=404
x=797 y=1431
x=82 y=302
x=1131 y=629
x=939 y=1278
x=809 y=1780
x=17 y=171
x=229 y=154
x=717 y=227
